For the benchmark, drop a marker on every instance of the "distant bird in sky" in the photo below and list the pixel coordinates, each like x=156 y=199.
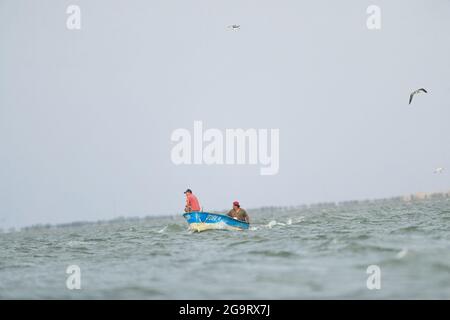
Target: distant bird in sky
x=234 y=27
x=439 y=170
x=416 y=92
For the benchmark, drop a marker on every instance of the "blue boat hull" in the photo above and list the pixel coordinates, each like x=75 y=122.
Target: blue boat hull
x=201 y=221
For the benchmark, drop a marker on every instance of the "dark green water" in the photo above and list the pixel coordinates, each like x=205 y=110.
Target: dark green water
x=294 y=254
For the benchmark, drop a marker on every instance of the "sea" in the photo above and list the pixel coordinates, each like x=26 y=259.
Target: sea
x=384 y=249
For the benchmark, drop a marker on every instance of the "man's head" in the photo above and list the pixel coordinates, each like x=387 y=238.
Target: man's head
x=236 y=205
x=188 y=192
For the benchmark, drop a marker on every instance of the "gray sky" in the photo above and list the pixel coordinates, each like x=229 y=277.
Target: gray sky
x=86 y=115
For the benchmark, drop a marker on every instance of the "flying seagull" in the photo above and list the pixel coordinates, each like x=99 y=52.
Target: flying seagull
x=234 y=27
x=416 y=92
x=439 y=170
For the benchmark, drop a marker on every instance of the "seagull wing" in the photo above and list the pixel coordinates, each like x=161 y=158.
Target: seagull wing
x=423 y=90
x=411 y=97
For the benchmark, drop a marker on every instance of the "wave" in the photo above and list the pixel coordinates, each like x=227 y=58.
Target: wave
x=401 y=254
x=172 y=227
x=75 y=243
x=289 y=222
x=272 y=253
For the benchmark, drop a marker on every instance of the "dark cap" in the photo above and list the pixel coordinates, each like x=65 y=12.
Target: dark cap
x=188 y=190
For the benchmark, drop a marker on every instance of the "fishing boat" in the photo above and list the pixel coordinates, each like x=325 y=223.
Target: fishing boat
x=201 y=221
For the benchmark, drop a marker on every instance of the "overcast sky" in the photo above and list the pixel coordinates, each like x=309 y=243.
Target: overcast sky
x=86 y=115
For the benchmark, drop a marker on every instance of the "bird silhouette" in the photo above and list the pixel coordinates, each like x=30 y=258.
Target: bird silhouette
x=416 y=92
x=234 y=27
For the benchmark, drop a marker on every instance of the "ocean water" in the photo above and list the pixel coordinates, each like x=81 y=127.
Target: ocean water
x=319 y=252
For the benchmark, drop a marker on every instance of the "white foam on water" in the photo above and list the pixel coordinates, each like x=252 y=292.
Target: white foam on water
x=75 y=243
x=271 y=224
x=402 y=254
x=163 y=230
x=296 y=220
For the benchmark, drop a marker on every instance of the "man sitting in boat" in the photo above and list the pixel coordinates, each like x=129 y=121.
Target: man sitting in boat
x=192 y=203
x=238 y=213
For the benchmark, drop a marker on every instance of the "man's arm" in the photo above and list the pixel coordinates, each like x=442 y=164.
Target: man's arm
x=247 y=219
x=187 y=207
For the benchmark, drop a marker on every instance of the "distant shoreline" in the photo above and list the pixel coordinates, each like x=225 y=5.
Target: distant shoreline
x=418 y=196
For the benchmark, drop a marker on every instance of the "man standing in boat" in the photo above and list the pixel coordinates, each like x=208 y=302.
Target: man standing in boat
x=192 y=203
x=238 y=213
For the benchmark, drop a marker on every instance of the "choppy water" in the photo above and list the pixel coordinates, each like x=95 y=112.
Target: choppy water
x=288 y=254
